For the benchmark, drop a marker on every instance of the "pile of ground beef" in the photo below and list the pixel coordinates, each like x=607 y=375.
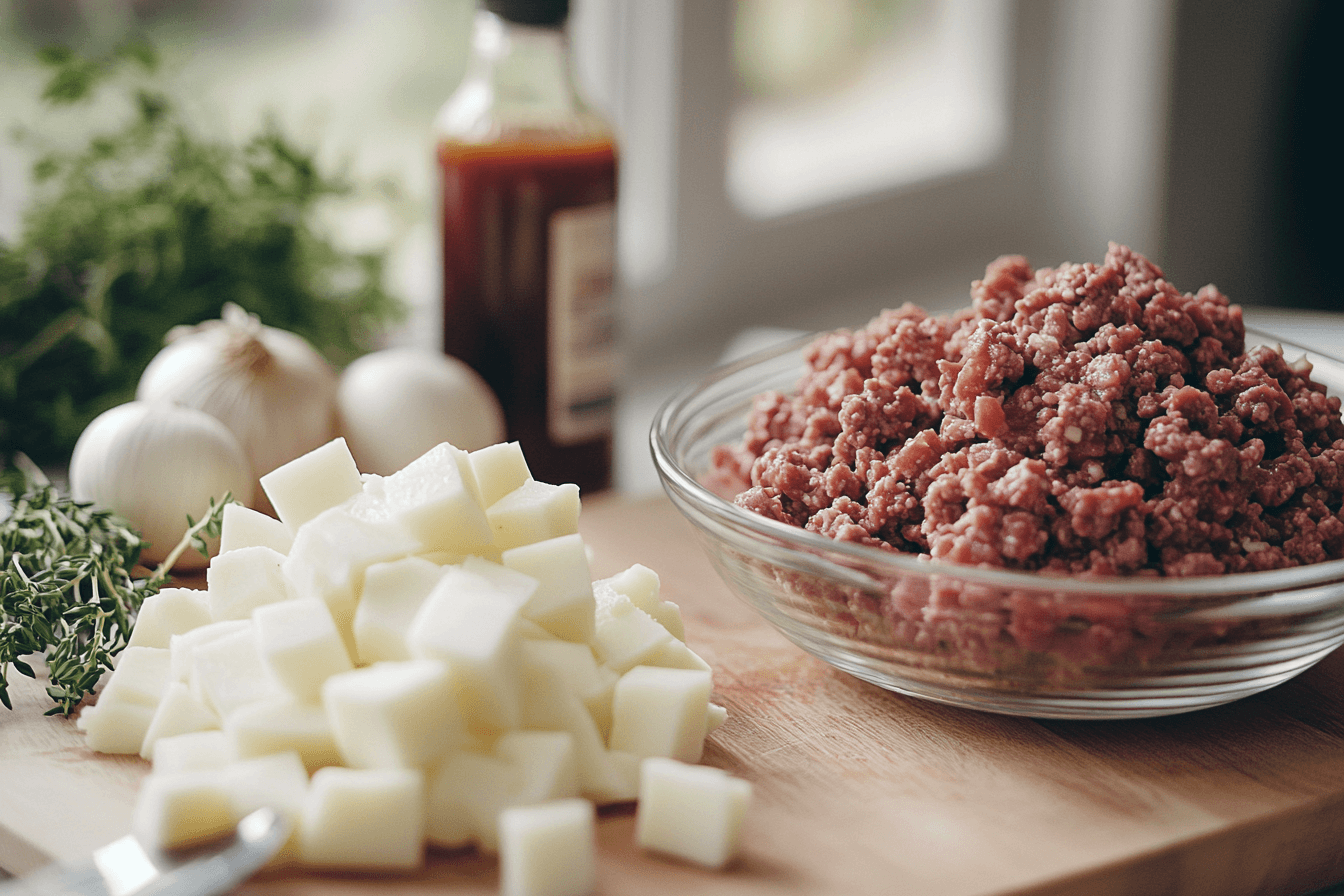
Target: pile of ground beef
x=1085 y=419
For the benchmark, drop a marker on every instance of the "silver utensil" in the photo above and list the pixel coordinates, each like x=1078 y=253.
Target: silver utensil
x=126 y=867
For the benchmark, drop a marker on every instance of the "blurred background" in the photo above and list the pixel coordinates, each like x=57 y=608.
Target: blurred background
x=792 y=164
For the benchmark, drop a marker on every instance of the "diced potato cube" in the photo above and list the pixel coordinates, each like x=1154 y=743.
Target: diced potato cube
x=548 y=849
x=392 y=594
x=675 y=654
x=364 y=818
x=170 y=611
x=299 y=643
x=716 y=716
x=661 y=712
x=312 y=483
x=179 y=712
x=626 y=636
x=228 y=672
x=535 y=511
x=115 y=727
x=575 y=665
x=278 y=781
x=693 y=812
x=546 y=765
x=330 y=555
x=283 y=724
x=464 y=796
x=244 y=579
x=563 y=603
x=243 y=527
x=475 y=631
x=435 y=498
x=194 y=751
x=499 y=469
x=641 y=585
x=549 y=705
x=182 y=648
x=394 y=714
x=180 y=809
x=141 y=676
x=518 y=587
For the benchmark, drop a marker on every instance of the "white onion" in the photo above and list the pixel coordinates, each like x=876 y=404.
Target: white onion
x=398 y=403
x=155 y=464
x=270 y=387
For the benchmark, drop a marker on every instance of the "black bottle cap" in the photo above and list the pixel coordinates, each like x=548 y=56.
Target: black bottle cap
x=530 y=12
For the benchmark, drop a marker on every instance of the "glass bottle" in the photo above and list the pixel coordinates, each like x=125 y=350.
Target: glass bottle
x=528 y=174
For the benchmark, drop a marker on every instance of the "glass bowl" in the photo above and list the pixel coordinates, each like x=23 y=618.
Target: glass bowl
x=1011 y=642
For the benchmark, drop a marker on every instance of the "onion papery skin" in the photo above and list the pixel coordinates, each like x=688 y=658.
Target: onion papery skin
x=269 y=386
x=155 y=464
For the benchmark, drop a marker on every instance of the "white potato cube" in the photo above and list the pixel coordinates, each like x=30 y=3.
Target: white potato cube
x=548 y=849
x=180 y=809
x=227 y=672
x=535 y=511
x=394 y=714
x=563 y=603
x=716 y=716
x=575 y=666
x=464 y=796
x=179 y=712
x=625 y=636
x=300 y=645
x=661 y=712
x=114 y=727
x=141 y=676
x=476 y=632
x=330 y=555
x=181 y=648
x=311 y=483
x=434 y=497
x=675 y=654
x=392 y=594
x=693 y=812
x=243 y=527
x=364 y=818
x=281 y=725
x=518 y=587
x=244 y=579
x=194 y=751
x=170 y=611
x=641 y=585
x=278 y=781
x=546 y=764
x=499 y=469
x=549 y=705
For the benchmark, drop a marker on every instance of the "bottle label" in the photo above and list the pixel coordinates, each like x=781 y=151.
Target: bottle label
x=582 y=325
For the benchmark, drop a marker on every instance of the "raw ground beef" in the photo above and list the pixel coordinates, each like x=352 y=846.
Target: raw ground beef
x=1085 y=419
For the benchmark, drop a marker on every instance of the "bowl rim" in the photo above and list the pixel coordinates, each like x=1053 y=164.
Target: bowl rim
x=677 y=481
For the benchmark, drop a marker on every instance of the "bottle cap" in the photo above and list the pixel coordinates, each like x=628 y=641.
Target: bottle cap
x=530 y=12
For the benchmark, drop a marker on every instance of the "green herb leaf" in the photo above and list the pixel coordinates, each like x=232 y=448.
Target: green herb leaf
x=67 y=586
x=150 y=225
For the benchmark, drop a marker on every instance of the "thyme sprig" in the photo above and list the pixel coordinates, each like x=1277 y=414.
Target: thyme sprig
x=69 y=588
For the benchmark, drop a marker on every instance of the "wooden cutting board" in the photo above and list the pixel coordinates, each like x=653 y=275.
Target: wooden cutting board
x=858 y=790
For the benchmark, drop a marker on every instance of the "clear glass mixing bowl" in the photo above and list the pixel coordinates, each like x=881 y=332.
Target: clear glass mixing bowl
x=1010 y=642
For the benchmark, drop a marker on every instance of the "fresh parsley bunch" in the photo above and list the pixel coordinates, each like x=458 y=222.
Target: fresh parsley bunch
x=150 y=226
x=68 y=586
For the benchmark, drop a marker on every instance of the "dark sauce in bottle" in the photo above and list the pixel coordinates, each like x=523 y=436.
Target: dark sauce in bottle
x=528 y=257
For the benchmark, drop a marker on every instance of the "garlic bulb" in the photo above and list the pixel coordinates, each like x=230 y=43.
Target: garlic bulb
x=398 y=403
x=157 y=463
x=270 y=387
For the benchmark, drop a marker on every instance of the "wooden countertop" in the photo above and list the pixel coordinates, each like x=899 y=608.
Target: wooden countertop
x=858 y=790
